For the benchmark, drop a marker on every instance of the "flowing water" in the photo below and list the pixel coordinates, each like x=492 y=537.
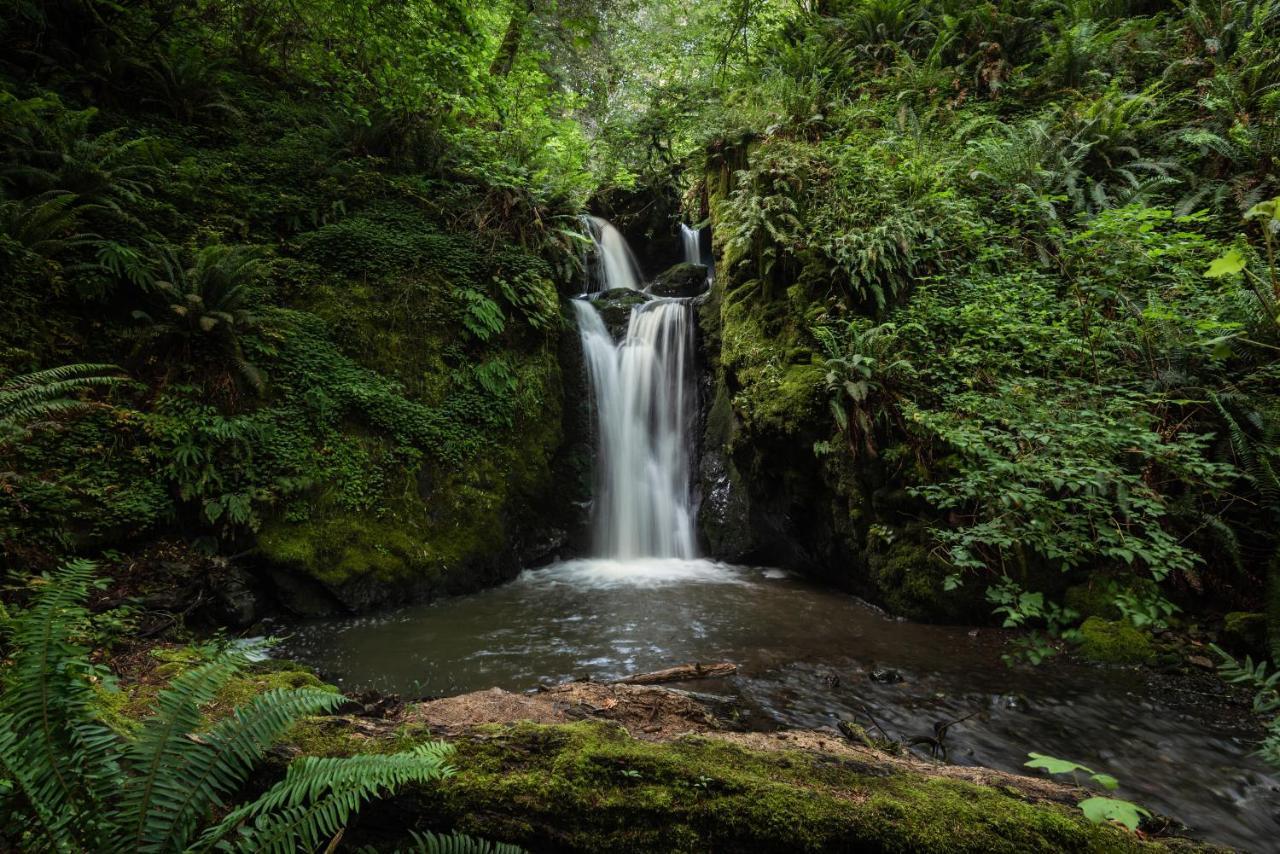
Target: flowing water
x=807 y=656
x=612 y=263
x=643 y=396
x=692 y=242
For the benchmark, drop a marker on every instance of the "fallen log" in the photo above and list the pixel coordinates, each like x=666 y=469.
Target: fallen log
x=681 y=673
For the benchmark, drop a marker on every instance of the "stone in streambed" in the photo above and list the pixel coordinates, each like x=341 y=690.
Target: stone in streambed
x=615 y=308
x=682 y=280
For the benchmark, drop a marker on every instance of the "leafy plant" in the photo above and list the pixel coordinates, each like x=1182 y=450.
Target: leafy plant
x=202 y=311
x=32 y=400
x=1023 y=609
x=70 y=782
x=1266 y=696
x=1097 y=809
x=863 y=379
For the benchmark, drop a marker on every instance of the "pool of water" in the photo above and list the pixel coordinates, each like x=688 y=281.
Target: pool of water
x=806 y=658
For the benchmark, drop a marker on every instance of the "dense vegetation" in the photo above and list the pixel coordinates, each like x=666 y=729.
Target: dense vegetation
x=995 y=327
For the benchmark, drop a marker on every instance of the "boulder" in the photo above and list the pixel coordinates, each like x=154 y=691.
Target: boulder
x=615 y=308
x=682 y=280
x=1114 y=642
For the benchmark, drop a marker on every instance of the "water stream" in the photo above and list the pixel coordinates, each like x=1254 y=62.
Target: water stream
x=612 y=264
x=692 y=242
x=643 y=398
x=808 y=657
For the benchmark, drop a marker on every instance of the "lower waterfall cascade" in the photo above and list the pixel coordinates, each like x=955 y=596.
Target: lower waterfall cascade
x=643 y=398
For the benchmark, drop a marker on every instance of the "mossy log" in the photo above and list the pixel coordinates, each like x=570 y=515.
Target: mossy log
x=650 y=770
x=590 y=786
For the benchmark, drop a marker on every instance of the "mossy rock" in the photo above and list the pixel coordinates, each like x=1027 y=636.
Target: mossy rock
x=1245 y=633
x=909 y=582
x=1095 y=598
x=615 y=308
x=591 y=787
x=1114 y=642
x=682 y=280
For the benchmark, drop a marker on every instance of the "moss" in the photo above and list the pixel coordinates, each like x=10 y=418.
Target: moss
x=1095 y=598
x=909 y=580
x=590 y=787
x=274 y=676
x=117 y=709
x=1245 y=633
x=1114 y=642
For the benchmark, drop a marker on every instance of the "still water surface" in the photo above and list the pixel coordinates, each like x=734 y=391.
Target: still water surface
x=805 y=657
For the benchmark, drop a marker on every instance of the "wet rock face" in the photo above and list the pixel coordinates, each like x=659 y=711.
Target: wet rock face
x=615 y=308
x=682 y=280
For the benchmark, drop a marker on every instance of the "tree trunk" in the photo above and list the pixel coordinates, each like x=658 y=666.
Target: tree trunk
x=505 y=59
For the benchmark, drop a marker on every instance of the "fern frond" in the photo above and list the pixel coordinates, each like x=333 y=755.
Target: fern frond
x=164 y=749
x=319 y=794
x=458 y=843
x=61 y=759
x=47 y=394
x=222 y=759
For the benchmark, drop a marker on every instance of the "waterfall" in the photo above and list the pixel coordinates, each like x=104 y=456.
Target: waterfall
x=611 y=265
x=644 y=399
x=692 y=240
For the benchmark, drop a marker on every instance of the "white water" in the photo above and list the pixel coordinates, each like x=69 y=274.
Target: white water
x=612 y=265
x=692 y=240
x=607 y=574
x=644 y=402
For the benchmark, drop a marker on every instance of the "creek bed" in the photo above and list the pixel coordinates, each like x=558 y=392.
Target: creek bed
x=807 y=657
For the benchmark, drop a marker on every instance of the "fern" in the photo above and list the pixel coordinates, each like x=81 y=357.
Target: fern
x=43 y=395
x=457 y=843
x=69 y=783
x=1266 y=697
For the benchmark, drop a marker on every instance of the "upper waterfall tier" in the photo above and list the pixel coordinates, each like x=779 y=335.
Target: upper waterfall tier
x=691 y=238
x=612 y=265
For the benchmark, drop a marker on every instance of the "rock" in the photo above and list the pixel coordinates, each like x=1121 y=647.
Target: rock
x=301 y=595
x=544 y=548
x=1114 y=642
x=1245 y=633
x=724 y=514
x=1203 y=662
x=237 y=597
x=615 y=308
x=887 y=675
x=683 y=280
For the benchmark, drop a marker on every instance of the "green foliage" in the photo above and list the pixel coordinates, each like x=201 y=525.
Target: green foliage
x=69 y=782
x=202 y=311
x=1266 y=697
x=1098 y=810
x=32 y=400
x=456 y=843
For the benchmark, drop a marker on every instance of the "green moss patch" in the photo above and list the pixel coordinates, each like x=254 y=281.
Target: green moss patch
x=1114 y=642
x=590 y=787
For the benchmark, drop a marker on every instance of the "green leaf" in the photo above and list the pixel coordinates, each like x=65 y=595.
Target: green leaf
x=1230 y=263
x=1054 y=765
x=1106 y=781
x=1099 y=810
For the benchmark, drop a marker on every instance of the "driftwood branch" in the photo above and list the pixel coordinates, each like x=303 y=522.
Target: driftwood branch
x=681 y=673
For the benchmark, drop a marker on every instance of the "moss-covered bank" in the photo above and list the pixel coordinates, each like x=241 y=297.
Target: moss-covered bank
x=591 y=787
